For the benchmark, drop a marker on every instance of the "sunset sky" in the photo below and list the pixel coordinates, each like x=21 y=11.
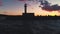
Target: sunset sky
x=15 y=7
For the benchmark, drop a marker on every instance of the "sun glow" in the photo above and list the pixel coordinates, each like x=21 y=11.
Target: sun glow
x=46 y=13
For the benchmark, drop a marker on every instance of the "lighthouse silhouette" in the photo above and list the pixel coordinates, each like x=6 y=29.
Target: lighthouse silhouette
x=25 y=12
x=25 y=8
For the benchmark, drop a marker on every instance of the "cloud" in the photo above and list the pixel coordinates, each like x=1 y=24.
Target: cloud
x=48 y=7
x=51 y=8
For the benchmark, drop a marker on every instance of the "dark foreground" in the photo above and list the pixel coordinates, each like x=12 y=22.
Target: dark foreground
x=29 y=26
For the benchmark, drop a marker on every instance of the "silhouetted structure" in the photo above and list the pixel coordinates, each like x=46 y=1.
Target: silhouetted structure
x=25 y=13
x=29 y=16
x=25 y=6
x=28 y=26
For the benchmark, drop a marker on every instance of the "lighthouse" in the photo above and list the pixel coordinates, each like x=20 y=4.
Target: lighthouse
x=25 y=8
x=25 y=11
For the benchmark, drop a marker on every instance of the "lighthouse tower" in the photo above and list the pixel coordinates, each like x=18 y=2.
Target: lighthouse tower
x=25 y=8
x=25 y=12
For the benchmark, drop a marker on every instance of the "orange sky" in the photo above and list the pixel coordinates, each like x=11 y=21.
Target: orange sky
x=39 y=12
x=16 y=8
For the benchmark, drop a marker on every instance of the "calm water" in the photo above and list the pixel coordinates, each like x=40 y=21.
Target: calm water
x=30 y=26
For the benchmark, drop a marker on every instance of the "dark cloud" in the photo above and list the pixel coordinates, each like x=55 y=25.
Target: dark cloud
x=0 y=2
x=51 y=8
x=47 y=7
